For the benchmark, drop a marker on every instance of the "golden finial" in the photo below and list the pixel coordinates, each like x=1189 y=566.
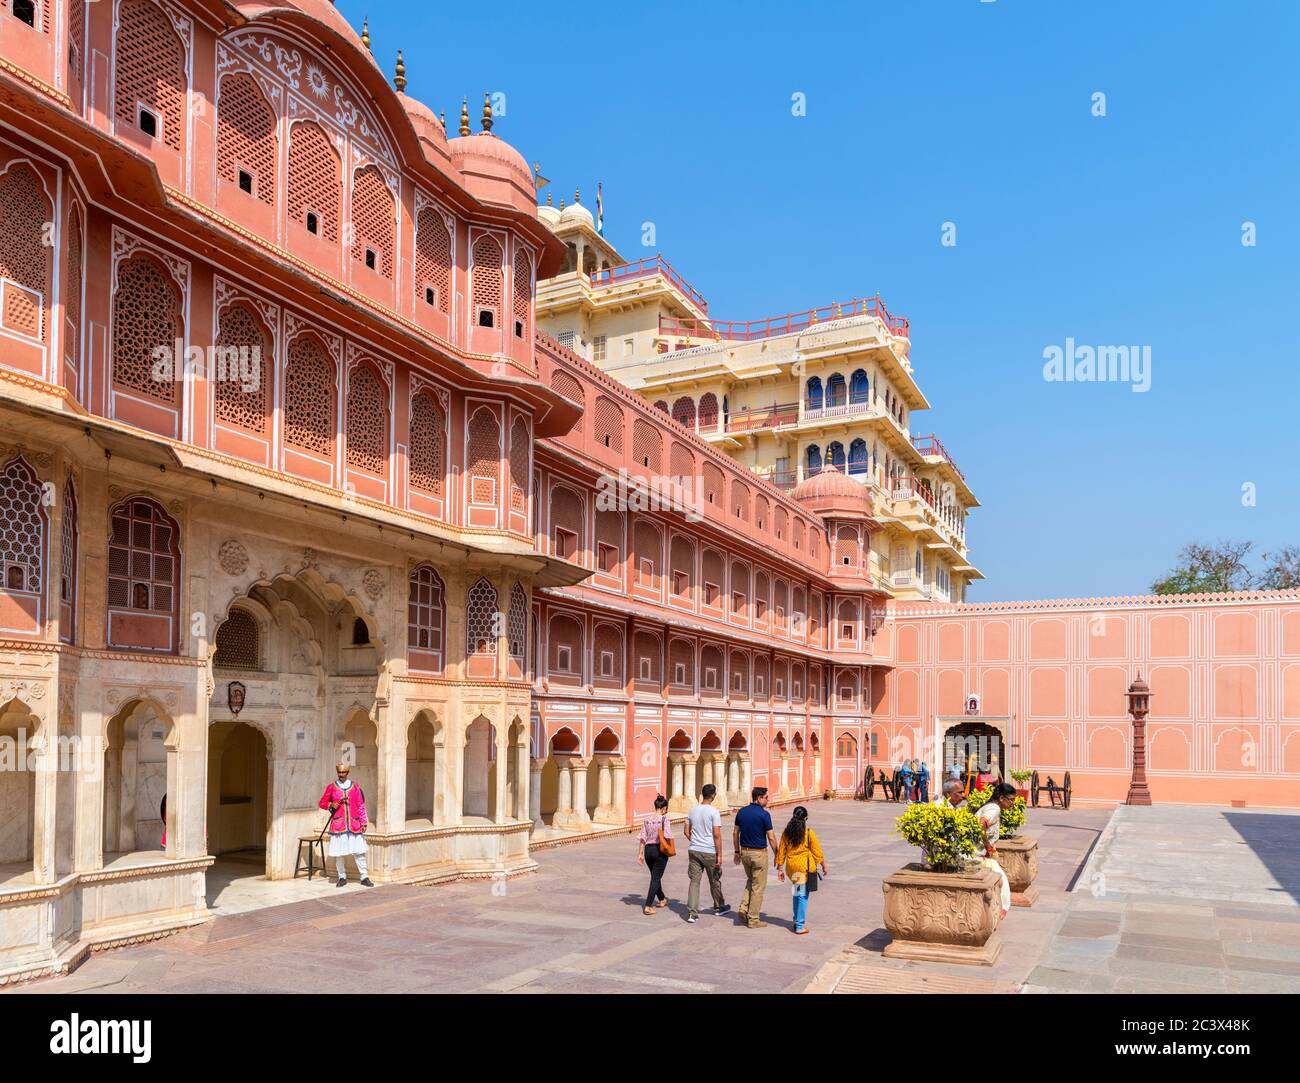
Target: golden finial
x=548 y=199
x=864 y=306
x=443 y=118
x=365 y=32
x=837 y=311
x=561 y=202
x=814 y=316
x=464 y=116
x=577 y=196
x=487 y=112
x=399 y=76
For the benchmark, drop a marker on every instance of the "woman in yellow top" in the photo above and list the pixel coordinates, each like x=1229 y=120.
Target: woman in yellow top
x=798 y=856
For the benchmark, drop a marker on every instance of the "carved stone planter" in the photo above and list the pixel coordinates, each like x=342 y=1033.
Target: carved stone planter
x=943 y=917
x=1018 y=856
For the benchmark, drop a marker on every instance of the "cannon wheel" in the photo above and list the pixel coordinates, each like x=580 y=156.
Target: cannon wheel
x=1033 y=789
x=1066 y=795
x=869 y=782
x=896 y=785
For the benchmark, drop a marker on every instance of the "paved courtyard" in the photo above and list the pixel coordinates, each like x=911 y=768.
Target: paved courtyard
x=576 y=925
x=1183 y=900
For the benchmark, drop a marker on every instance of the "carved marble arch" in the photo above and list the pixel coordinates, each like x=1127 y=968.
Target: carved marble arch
x=303 y=605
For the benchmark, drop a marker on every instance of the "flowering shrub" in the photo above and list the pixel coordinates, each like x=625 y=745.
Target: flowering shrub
x=947 y=836
x=1012 y=819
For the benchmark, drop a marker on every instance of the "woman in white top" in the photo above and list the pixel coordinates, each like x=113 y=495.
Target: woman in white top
x=990 y=814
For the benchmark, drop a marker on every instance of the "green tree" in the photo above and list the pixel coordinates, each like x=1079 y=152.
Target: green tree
x=1208 y=569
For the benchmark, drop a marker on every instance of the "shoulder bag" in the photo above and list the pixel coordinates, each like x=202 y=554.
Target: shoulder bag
x=667 y=844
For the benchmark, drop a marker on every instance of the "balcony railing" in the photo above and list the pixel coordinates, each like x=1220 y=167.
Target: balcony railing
x=785 y=325
x=930 y=445
x=747 y=419
x=906 y=488
x=643 y=268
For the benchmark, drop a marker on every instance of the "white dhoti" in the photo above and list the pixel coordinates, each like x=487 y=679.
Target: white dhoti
x=992 y=863
x=345 y=843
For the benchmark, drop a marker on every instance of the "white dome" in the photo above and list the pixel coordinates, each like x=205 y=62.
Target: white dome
x=549 y=215
x=576 y=212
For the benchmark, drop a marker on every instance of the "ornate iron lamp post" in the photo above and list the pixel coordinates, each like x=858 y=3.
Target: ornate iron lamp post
x=1139 y=705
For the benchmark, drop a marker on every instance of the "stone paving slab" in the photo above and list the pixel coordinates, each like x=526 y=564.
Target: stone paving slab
x=576 y=926
x=1179 y=899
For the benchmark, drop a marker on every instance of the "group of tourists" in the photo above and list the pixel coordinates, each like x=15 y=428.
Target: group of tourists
x=915 y=778
x=797 y=856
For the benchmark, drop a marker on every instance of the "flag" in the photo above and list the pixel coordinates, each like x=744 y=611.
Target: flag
x=600 y=211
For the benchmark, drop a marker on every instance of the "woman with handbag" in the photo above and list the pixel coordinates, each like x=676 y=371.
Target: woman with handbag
x=798 y=857
x=653 y=849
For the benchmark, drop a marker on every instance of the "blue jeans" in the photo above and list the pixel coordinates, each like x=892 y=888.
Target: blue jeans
x=925 y=790
x=800 y=894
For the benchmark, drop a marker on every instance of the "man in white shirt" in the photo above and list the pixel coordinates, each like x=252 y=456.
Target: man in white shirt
x=703 y=831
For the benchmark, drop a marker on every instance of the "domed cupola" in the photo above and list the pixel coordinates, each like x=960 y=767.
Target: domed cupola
x=834 y=494
x=493 y=170
x=576 y=213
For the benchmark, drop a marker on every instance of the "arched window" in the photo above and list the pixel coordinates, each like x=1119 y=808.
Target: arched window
x=481 y=619
x=835 y=454
x=433 y=260
x=22 y=541
x=25 y=260
x=146 y=315
x=150 y=94
x=607 y=424
x=859 y=387
x=143 y=577
x=846 y=748
x=372 y=221
x=69 y=530
x=517 y=625
x=813 y=395
x=522 y=296
x=309 y=397
x=858 y=456
x=428 y=433
x=238 y=642
x=426 y=619
x=835 y=390
x=520 y=460
x=814 y=459
x=484 y=456
x=684 y=411
x=315 y=181
x=246 y=148
x=708 y=412
x=487 y=282
x=72 y=295
x=360 y=633
x=240 y=376
x=646 y=446
x=367 y=420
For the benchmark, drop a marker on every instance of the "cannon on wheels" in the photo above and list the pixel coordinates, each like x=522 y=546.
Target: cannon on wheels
x=1058 y=794
x=872 y=780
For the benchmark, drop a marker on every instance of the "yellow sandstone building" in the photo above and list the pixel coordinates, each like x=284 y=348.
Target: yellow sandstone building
x=786 y=397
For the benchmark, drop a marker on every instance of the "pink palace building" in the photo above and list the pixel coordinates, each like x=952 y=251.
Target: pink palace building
x=288 y=473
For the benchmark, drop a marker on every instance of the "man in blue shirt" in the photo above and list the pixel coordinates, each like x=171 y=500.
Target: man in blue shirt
x=751 y=836
x=923 y=782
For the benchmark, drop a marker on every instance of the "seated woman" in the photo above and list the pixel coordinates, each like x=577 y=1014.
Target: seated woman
x=990 y=814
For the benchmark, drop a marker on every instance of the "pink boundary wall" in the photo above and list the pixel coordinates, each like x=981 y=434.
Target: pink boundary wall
x=1224 y=672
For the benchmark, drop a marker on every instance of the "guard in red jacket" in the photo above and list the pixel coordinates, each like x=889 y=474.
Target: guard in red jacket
x=347 y=806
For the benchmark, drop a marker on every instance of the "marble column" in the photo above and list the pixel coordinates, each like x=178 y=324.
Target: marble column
x=690 y=791
x=719 y=779
x=746 y=775
x=618 y=770
x=578 y=769
x=733 y=781
x=677 y=799
x=605 y=811
x=535 y=791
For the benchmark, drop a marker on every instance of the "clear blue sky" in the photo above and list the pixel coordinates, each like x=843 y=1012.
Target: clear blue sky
x=1117 y=230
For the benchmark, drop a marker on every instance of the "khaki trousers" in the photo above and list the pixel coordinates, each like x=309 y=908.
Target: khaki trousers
x=754 y=862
